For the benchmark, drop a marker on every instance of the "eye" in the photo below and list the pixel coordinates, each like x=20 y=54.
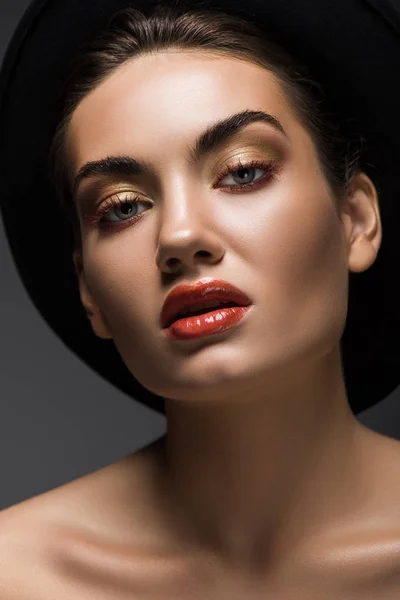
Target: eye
x=123 y=208
x=245 y=174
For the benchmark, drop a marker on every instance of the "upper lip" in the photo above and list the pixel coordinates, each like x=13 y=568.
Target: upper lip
x=187 y=295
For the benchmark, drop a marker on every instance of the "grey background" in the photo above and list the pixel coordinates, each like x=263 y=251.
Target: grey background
x=59 y=420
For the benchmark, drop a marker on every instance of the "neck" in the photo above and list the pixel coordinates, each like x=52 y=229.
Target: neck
x=256 y=471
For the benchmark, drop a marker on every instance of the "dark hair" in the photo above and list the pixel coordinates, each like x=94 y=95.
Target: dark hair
x=131 y=33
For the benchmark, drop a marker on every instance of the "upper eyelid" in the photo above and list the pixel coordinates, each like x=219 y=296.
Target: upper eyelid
x=224 y=173
x=230 y=165
x=272 y=170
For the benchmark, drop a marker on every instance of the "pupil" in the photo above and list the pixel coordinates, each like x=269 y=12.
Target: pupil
x=126 y=208
x=243 y=173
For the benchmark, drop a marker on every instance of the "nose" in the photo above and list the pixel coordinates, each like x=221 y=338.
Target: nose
x=187 y=237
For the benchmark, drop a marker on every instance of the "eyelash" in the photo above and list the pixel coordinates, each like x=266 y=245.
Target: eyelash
x=271 y=168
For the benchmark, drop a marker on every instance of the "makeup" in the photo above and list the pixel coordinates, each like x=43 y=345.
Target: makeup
x=210 y=323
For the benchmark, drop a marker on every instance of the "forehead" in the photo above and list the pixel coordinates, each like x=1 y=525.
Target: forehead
x=166 y=98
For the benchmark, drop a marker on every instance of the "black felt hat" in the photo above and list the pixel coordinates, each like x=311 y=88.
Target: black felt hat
x=351 y=47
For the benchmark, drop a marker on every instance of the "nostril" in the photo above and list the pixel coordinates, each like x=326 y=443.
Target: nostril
x=172 y=261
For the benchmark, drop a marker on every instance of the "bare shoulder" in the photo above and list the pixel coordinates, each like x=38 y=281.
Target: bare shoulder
x=65 y=542
x=366 y=552
x=43 y=560
x=24 y=544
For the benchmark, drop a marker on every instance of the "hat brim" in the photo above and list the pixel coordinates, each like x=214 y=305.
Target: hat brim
x=352 y=48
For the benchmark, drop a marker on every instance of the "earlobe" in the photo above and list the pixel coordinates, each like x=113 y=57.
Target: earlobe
x=364 y=221
x=93 y=311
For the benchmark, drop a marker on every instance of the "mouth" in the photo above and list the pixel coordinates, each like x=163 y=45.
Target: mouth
x=194 y=312
x=205 y=296
x=208 y=322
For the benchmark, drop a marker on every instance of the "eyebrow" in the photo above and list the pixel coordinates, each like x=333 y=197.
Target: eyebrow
x=213 y=137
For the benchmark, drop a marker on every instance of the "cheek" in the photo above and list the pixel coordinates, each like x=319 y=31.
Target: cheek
x=306 y=247
x=303 y=262
x=120 y=280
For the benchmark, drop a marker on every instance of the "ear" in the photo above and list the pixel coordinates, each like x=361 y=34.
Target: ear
x=93 y=311
x=362 y=221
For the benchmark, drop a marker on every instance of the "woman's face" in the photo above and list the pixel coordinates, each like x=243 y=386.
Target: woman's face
x=280 y=241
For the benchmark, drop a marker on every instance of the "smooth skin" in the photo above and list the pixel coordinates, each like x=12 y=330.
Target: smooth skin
x=265 y=485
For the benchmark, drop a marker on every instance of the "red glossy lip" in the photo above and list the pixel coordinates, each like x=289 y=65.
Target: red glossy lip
x=185 y=296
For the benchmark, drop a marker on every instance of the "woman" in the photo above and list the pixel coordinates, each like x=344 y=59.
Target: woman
x=200 y=163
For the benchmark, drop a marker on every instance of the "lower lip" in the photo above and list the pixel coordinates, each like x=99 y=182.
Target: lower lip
x=216 y=321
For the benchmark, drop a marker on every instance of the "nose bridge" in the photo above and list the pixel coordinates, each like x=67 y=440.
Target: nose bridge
x=186 y=230
x=181 y=213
